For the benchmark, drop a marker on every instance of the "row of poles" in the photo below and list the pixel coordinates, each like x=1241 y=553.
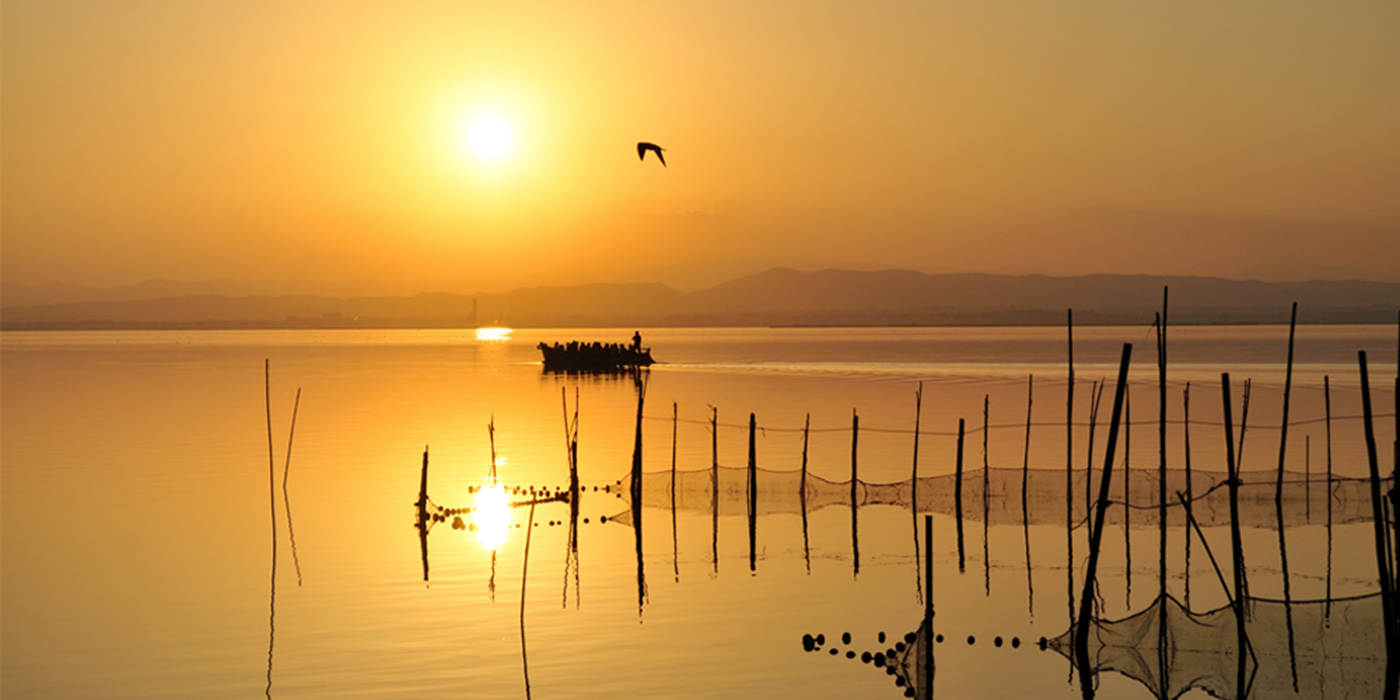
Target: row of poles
x=1385 y=536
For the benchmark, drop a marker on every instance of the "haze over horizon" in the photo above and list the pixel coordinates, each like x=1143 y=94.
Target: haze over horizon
x=343 y=146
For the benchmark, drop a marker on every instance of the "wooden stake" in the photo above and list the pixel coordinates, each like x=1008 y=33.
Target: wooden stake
x=1278 y=498
x=958 y=500
x=1086 y=601
x=1069 y=468
x=986 y=500
x=1237 y=546
x=1392 y=644
x=928 y=607
x=1327 y=403
x=752 y=494
x=714 y=488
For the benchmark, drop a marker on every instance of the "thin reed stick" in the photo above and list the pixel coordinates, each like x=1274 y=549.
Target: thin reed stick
x=986 y=499
x=272 y=504
x=914 y=485
x=1025 y=511
x=802 y=495
x=1186 y=453
x=855 y=479
x=524 y=578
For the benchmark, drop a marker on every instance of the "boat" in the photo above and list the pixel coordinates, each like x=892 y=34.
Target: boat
x=575 y=356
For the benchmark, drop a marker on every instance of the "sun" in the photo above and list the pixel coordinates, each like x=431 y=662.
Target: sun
x=489 y=137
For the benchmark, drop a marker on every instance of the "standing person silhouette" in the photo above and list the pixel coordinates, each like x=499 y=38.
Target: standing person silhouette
x=637 y=341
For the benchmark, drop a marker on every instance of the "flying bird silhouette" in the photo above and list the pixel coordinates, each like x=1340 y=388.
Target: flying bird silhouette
x=643 y=147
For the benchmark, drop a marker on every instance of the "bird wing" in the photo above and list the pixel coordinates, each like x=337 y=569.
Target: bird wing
x=644 y=146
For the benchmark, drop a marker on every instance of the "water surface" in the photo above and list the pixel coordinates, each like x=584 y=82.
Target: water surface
x=138 y=507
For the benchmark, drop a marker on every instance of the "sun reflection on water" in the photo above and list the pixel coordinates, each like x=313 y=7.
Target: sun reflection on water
x=492 y=516
x=493 y=334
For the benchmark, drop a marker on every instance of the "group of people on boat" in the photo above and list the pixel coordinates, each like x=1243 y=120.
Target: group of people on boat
x=574 y=347
x=596 y=354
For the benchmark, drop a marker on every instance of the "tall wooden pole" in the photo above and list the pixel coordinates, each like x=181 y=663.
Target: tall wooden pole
x=1086 y=601
x=1392 y=644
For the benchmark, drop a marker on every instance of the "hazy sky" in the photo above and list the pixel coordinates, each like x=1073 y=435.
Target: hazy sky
x=326 y=142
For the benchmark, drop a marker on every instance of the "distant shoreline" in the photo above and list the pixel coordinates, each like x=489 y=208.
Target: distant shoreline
x=778 y=298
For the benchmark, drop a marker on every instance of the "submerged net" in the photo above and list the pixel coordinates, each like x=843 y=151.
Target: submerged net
x=1338 y=656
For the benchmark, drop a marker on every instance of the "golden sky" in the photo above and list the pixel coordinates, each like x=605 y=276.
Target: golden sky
x=323 y=144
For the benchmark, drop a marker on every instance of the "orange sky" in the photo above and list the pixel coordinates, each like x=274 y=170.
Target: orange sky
x=319 y=144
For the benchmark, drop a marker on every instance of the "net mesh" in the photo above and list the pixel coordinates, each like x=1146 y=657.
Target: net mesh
x=781 y=492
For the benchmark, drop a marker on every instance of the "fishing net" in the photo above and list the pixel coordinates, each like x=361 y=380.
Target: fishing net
x=725 y=490
x=1308 y=654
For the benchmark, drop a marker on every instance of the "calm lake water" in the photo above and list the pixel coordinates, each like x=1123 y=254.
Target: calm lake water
x=138 y=499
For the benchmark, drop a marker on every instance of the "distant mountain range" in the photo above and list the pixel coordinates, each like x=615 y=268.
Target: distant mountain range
x=778 y=297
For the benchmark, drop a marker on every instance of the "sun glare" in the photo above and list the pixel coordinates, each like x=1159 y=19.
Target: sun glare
x=492 y=334
x=489 y=137
x=492 y=516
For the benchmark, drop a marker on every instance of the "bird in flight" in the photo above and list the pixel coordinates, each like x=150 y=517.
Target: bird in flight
x=643 y=147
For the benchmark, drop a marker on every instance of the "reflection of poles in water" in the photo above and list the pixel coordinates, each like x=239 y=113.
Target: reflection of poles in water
x=714 y=488
x=1025 y=506
x=1069 y=472
x=1086 y=601
x=1186 y=453
x=1392 y=644
x=286 y=498
x=1278 y=499
x=524 y=578
x=957 y=498
x=675 y=545
x=986 y=499
x=1307 y=478
x=272 y=502
x=571 y=561
x=1127 y=502
x=1191 y=524
x=491 y=435
x=1237 y=547
x=928 y=608
x=751 y=494
x=914 y=489
x=802 y=495
x=855 y=481
x=1095 y=398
